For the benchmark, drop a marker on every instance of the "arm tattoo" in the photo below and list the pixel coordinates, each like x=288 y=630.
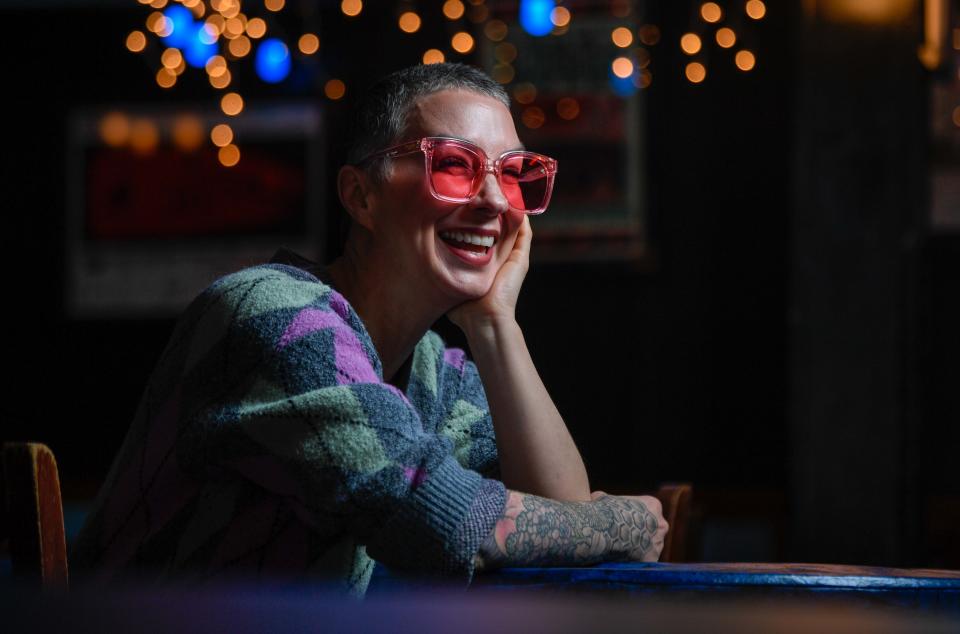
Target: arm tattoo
x=536 y=531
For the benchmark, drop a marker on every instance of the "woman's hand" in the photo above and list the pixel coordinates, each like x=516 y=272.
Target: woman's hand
x=500 y=302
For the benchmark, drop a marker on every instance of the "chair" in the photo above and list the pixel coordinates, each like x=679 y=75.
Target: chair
x=675 y=498
x=34 y=515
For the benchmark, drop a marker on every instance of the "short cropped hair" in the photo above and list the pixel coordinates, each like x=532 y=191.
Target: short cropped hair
x=380 y=118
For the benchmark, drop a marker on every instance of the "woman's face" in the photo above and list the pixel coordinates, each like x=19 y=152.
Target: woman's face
x=414 y=229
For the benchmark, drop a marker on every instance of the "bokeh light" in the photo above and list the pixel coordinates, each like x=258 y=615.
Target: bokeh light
x=239 y=47
x=505 y=52
x=525 y=93
x=221 y=80
x=351 y=8
x=622 y=36
x=462 y=42
x=622 y=67
x=231 y=104
x=136 y=41
x=649 y=34
x=535 y=16
x=115 y=129
x=453 y=9
x=409 y=22
x=274 y=5
x=726 y=38
x=166 y=78
x=187 y=132
x=560 y=16
x=171 y=58
x=256 y=28
x=696 y=72
x=144 y=136
x=711 y=12
x=308 y=44
x=495 y=30
x=503 y=73
x=745 y=60
x=229 y=155
x=756 y=9
x=221 y=135
x=272 y=60
x=568 y=108
x=334 y=89
x=433 y=56
x=690 y=43
x=533 y=117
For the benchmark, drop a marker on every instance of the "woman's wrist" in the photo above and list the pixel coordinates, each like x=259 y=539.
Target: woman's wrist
x=485 y=330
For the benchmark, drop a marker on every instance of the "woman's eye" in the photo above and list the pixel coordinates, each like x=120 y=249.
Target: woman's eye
x=453 y=163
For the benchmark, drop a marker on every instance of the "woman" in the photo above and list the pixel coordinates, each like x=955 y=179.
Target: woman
x=302 y=418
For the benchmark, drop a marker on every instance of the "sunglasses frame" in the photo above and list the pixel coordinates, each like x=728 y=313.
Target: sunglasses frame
x=427 y=145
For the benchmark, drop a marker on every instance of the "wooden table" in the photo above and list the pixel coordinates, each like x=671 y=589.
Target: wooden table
x=923 y=588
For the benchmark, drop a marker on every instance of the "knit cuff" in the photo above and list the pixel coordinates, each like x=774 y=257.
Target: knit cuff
x=486 y=510
x=434 y=530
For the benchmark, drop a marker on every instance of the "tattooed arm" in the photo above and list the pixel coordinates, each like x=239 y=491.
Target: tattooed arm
x=536 y=531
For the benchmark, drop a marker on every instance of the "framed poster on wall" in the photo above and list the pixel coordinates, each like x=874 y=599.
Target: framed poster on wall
x=157 y=211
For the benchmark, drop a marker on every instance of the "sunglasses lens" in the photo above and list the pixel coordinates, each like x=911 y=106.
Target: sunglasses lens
x=453 y=170
x=524 y=180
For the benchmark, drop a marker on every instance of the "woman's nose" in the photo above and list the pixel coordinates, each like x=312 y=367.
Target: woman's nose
x=490 y=197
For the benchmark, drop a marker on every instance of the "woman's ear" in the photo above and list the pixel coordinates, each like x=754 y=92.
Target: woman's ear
x=357 y=193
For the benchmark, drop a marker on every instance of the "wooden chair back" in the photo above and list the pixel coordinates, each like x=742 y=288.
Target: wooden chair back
x=675 y=498
x=34 y=514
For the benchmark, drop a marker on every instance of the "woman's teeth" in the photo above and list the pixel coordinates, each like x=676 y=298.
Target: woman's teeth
x=468 y=238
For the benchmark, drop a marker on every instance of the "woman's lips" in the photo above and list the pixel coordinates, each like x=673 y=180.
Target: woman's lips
x=474 y=258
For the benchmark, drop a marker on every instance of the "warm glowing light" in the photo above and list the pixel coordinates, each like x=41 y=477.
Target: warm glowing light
x=462 y=42
x=115 y=129
x=230 y=10
x=171 y=58
x=208 y=34
x=645 y=79
x=216 y=66
x=888 y=12
x=221 y=135
x=505 y=52
x=166 y=78
x=620 y=8
x=351 y=8
x=233 y=27
x=533 y=117
x=711 y=12
x=756 y=9
x=136 y=41
x=187 y=132
x=453 y=9
x=256 y=28
x=409 y=22
x=144 y=136
x=956 y=116
x=956 y=39
x=240 y=46
x=726 y=37
x=222 y=80
x=525 y=93
x=495 y=30
x=155 y=22
x=308 y=43
x=622 y=67
x=560 y=16
x=503 y=73
x=690 y=43
x=649 y=34
x=231 y=104
x=642 y=57
x=144 y=1
x=334 y=89
x=622 y=37
x=568 y=108
x=696 y=72
x=228 y=155
x=274 y=5
x=745 y=60
x=217 y=23
x=158 y=4
x=196 y=7
x=165 y=27
x=433 y=56
x=478 y=13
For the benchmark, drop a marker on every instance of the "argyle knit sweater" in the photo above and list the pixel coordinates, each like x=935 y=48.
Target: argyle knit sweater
x=267 y=445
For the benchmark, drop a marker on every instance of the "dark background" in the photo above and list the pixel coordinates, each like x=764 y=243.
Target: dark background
x=789 y=344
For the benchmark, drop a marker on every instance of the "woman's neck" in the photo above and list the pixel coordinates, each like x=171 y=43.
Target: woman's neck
x=394 y=316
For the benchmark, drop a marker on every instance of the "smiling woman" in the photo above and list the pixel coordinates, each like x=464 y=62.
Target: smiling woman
x=304 y=418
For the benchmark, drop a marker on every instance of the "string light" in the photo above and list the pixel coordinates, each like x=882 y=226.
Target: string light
x=462 y=42
x=690 y=43
x=221 y=135
x=351 y=8
x=187 y=132
x=136 y=41
x=240 y=46
x=334 y=89
x=256 y=28
x=115 y=129
x=495 y=30
x=453 y=9
x=560 y=16
x=433 y=56
x=171 y=58
x=229 y=155
x=273 y=5
x=622 y=67
x=756 y=9
x=696 y=72
x=622 y=37
x=533 y=117
x=568 y=108
x=308 y=44
x=409 y=22
x=231 y=104
x=726 y=38
x=745 y=60
x=222 y=80
x=166 y=78
x=711 y=12
x=525 y=93
x=144 y=136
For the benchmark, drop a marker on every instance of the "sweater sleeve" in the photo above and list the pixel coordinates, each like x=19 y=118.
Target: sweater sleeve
x=301 y=411
x=468 y=422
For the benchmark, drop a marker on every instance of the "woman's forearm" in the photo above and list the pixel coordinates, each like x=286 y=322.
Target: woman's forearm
x=535 y=531
x=537 y=454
